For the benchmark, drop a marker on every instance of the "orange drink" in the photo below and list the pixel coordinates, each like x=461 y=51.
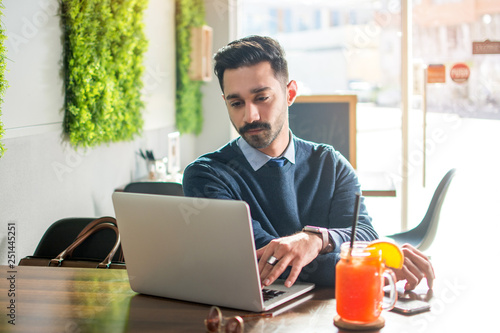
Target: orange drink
x=359 y=282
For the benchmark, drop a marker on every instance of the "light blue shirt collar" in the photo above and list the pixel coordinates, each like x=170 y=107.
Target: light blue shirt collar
x=257 y=159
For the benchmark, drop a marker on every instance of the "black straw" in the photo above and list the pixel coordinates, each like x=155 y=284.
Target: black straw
x=355 y=221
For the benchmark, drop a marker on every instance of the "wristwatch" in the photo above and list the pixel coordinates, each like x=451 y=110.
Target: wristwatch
x=325 y=236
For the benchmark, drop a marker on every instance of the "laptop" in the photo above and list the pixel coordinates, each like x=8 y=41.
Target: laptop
x=195 y=249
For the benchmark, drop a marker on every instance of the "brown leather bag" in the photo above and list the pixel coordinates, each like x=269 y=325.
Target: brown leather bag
x=64 y=258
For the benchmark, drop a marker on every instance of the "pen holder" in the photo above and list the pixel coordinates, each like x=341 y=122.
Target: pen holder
x=157 y=169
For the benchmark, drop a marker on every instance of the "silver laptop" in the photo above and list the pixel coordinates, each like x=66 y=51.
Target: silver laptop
x=195 y=249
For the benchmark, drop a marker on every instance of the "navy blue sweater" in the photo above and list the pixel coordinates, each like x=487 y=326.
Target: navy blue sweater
x=319 y=189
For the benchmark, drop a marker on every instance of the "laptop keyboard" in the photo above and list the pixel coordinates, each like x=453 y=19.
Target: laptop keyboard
x=268 y=294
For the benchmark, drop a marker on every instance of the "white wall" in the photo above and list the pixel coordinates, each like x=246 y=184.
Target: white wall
x=220 y=15
x=42 y=178
x=34 y=99
x=159 y=78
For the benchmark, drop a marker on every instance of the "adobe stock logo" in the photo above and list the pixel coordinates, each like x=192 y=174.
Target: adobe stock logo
x=440 y=303
x=194 y=208
x=31 y=26
x=72 y=160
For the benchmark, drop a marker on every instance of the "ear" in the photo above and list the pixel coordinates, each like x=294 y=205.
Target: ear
x=291 y=92
x=223 y=97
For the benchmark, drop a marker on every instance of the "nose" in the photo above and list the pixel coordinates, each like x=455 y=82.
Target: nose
x=251 y=113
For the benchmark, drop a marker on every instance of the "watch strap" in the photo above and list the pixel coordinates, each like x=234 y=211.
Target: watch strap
x=327 y=245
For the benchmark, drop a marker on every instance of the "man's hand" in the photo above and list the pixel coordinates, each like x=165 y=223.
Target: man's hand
x=297 y=251
x=416 y=266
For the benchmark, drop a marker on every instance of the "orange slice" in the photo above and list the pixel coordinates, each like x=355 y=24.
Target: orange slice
x=392 y=255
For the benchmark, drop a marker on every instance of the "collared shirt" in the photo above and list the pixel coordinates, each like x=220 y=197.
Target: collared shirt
x=257 y=159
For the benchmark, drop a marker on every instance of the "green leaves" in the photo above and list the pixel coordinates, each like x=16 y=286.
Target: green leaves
x=3 y=81
x=189 y=117
x=104 y=44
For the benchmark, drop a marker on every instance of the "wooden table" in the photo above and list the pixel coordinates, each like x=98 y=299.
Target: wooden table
x=91 y=300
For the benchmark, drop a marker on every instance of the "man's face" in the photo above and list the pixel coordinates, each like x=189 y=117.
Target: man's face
x=257 y=103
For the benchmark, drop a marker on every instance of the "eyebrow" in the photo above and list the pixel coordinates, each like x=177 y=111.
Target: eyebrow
x=253 y=91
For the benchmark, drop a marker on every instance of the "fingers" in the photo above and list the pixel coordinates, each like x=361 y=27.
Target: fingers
x=416 y=267
x=292 y=277
x=421 y=264
x=261 y=251
x=269 y=273
x=297 y=251
x=410 y=273
x=425 y=266
x=272 y=272
x=263 y=255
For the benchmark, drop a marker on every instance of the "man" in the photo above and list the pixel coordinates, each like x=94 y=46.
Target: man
x=313 y=184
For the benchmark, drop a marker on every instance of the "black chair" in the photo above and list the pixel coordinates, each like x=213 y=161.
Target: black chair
x=64 y=231
x=164 y=188
x=423 y=235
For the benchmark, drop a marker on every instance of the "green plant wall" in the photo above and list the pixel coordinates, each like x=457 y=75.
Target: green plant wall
x=189 y=117
x=104 y=44
x=3 y=81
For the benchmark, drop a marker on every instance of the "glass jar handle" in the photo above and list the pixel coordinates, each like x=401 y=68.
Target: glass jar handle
x=393 y=295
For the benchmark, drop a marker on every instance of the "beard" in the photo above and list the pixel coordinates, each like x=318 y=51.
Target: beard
x=270 y=130
x=258 y=141
x=262 y=139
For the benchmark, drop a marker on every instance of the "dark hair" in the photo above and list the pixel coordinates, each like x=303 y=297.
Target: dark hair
x=249 y=51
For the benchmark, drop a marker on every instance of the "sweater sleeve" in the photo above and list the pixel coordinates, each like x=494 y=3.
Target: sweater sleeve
x=342 y=208
x=203 y=181
x=341 y=215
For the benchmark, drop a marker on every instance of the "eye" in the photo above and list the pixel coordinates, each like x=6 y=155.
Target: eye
x=236 y=104
x=262 y=98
